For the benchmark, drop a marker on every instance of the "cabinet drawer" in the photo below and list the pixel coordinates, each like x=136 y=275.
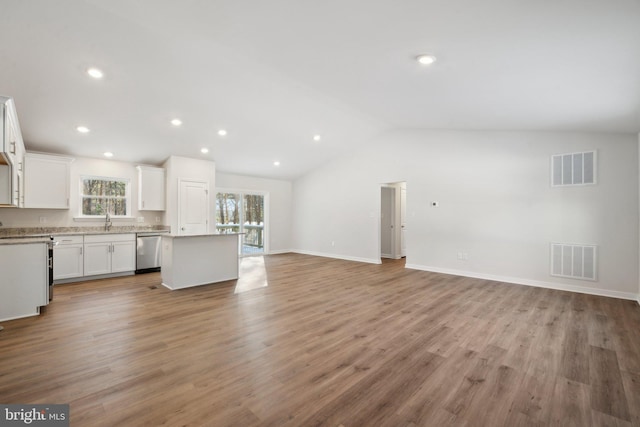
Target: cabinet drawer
x=68 y=240
x=97 y=238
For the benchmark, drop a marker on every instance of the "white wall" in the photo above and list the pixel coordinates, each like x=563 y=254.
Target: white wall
x=280 y=205
x=186 y=168
x=14 y=217
x=496 y=204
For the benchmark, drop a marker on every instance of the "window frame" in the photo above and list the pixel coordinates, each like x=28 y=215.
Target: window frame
x=127 y=196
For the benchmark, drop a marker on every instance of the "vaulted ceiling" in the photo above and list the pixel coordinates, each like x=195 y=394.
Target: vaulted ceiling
x=275 y=73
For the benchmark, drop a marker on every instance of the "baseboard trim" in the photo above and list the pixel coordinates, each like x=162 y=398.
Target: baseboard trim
x=96 y=277
x=334 y=256
x=280 y=251
x=529 y=282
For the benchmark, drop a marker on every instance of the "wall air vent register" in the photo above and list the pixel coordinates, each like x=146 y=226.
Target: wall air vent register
x=573 y=169
x=574 y=261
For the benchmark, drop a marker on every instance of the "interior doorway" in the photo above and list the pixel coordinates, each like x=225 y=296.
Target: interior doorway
x=393 y=206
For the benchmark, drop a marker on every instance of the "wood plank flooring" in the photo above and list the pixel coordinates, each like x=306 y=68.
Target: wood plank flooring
x=327 y=343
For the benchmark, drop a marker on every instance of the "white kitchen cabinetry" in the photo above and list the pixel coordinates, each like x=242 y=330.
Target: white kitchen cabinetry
x=24 y=284
x=11 y=155
x=47 y=182
x=109 y=253
x=68 y=257
x=151 y=188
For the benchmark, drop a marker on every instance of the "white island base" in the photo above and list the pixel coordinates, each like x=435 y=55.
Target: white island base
x=199 y=259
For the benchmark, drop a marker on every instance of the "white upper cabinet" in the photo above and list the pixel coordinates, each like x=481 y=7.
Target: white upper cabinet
x=47 y=182
x=11 y=155
x=151 y=188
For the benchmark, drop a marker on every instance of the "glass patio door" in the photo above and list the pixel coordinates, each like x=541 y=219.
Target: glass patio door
x=243 y=213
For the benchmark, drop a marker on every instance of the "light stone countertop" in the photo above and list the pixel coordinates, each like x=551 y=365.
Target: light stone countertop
x=202 y=235
x=24 y=240
x=35 y=232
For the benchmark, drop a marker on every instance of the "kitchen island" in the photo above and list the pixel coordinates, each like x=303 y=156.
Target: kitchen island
x=194 y=260
x=24 y=277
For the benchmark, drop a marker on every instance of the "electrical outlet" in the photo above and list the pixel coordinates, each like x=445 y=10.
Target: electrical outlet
x=43 y=220
x=140 y=219
x=333 y=243
x=157 y=219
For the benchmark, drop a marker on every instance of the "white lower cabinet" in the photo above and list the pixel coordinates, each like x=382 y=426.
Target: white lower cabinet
x=68 y=257
x=109 y=253
x=123 y=256
x=24 y=285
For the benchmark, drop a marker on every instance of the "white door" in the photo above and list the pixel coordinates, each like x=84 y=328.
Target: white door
x=193 y=198
x=403 y=221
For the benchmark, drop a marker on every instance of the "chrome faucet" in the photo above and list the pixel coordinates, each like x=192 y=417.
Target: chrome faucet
x=107 y=222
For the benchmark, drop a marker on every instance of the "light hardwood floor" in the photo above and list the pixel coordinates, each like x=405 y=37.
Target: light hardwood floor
x=327 y=342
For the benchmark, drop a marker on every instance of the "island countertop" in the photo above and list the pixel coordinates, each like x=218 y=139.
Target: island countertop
x=201 y=235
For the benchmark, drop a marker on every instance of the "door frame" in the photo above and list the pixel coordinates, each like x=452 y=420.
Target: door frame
x=207 y=204
x=393 y=232
x=397 y=218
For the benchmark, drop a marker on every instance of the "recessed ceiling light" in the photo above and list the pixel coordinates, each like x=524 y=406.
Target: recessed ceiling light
x=426 y=59
x=82 y=129
x=95 y=73
x=108 y=154
x=204 y=150
x=276 y=163
x=316 y=137
x=176 y=122
x=222 y=132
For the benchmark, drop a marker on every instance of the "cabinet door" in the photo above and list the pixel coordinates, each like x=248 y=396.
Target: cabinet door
x=68 y=261
x=97 y=258
x=16 y=155
x=151 y=191
x=11 y=136
x=24 y=285
x=123 y=256
x=46 y=181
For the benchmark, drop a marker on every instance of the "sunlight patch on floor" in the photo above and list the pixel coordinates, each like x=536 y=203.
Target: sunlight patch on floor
x=253 y=274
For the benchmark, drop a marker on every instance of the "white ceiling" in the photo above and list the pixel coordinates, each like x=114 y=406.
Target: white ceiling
x=274 y=73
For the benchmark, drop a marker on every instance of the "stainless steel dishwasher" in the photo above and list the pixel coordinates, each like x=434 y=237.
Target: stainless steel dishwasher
x=148 y=252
